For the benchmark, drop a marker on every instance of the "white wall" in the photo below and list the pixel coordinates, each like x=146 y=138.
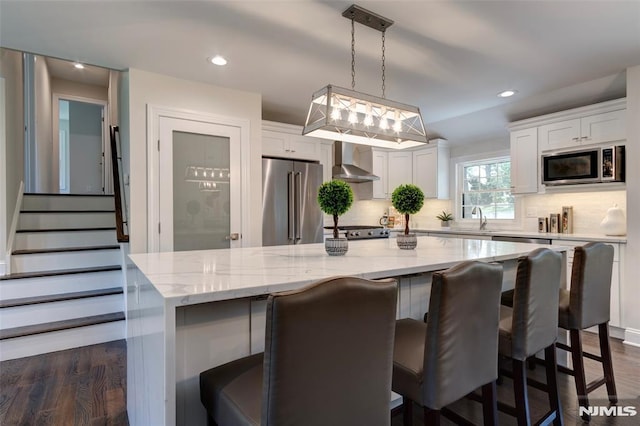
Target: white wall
x=3 y=188
x=12 y=159
x=45 y=180
x=631 y=284
x=154 y=89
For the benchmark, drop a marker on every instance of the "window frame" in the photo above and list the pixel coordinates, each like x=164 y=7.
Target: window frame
x=478 y=159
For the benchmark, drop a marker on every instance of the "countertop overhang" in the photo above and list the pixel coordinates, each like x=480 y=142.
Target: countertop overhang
x=189 y=277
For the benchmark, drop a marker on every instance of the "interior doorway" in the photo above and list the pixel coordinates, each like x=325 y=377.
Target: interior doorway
x=80 y=145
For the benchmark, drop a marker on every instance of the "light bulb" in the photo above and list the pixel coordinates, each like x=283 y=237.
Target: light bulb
x=384 y=124
x=353 y=115
x=397 y=124
x=335 y=113
x=368 y=119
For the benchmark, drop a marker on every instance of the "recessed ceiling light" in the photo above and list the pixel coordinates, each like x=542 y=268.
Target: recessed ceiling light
x=218 y=60
x=507 y=93
x=78 y=65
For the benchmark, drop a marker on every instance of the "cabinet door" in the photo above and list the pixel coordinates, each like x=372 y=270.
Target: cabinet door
x=304 y=148
x=379 y=163
x=425 y=171
x=564 y=134
x=400 y=169
x=326 y=159
x=524 y=161
x=274 y=143
x=601 y=128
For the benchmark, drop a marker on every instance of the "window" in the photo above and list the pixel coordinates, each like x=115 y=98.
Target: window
x=487 y=184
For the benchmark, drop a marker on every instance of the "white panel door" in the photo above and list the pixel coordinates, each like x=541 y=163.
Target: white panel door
x=200 y=185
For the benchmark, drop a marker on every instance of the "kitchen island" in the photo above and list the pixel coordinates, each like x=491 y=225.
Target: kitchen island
x=190 y=311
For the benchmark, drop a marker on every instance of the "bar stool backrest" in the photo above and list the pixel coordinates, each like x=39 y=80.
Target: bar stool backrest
x=329 y=354
x=535 y=303
x=461 y=347
x=590 y=291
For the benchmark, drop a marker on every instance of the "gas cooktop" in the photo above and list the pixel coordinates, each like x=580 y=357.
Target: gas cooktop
x=362 y=232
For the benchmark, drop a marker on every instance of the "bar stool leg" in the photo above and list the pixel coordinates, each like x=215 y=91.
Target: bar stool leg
x=431 y=417
x=407 y=411
x=552 y=383
x=607 y=365
x=520 y=391
x=578 y=371
x=489 y=404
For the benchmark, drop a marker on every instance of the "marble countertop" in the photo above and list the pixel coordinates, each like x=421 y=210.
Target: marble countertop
x=190 y=277
x=528 y=234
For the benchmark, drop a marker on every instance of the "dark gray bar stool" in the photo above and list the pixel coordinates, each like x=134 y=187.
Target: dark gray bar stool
x=456 y=351
x=327 y=360
x=586 y=304
x=531 y=326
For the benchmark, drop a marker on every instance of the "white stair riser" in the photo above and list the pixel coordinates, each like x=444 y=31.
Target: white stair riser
x=45 y=240
x=66 y=220
x=43 y=202
x=36 y=344
x=19 y=316
x=58 y=284
x=65 y=260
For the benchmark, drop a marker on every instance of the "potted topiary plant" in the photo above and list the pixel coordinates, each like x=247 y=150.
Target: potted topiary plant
x=445 y=218
x=335 y=198
x=407 y=199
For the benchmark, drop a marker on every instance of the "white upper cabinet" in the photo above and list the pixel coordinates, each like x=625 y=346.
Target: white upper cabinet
x=588 y=130
x=285 y=141
x=399 y=171
x=427 y=167
x=431 y=169
x=524 y=161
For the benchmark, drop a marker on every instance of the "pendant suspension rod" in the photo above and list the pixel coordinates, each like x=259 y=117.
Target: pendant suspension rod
x=383 y=69
x=353 y=55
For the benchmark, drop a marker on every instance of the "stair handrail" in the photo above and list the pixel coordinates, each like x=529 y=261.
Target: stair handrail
x=122 y=225
x=14 y=227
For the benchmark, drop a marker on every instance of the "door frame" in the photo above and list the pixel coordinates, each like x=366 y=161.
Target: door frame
x=107 y=173
x=154 y=113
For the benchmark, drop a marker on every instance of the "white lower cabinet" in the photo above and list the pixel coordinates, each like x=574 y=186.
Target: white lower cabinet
x=615 y=318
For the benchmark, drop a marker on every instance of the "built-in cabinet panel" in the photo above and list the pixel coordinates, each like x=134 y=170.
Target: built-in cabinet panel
x=427 y=167
x=524 y=164
x=591 y=129
x=399 y=169
x=431 y=169
x=286 y=141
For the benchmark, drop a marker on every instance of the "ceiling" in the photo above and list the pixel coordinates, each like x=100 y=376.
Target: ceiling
x=450 y=58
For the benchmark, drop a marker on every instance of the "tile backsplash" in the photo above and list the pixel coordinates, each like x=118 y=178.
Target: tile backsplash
x=589 y=208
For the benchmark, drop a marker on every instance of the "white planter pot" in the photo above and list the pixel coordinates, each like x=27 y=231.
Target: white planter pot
x=407 y=242
x=336 y=246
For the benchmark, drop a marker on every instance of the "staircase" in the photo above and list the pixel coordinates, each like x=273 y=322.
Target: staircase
x=66 y=285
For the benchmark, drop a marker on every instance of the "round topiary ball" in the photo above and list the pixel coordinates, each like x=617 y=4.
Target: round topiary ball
x=407 y=199
x=335 y=197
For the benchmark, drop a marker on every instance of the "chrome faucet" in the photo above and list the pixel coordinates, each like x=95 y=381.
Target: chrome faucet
x=483 y=220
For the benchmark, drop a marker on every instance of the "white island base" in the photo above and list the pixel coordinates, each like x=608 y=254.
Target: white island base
x=191 y=311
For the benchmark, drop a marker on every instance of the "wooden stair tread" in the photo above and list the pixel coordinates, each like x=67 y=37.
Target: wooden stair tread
x=39 y=274
x=66 y=195
x=109 y=228
x=60 y=297
x=67 y=211
x=29 y=330
x=65 y=249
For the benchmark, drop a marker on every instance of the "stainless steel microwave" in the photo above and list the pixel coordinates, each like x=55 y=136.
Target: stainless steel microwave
x=594 y=165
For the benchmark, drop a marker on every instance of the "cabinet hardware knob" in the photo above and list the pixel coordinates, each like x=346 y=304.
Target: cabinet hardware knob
x=574 y=139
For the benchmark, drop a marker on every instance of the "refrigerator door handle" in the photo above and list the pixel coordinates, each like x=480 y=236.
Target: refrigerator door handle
x=291 y=206
x=298 y=205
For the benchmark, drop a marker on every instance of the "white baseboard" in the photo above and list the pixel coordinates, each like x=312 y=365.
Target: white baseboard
x=632 y=337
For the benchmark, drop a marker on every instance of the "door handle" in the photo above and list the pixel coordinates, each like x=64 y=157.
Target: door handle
x=298 y=203
x=233 y=237
x=291 y=207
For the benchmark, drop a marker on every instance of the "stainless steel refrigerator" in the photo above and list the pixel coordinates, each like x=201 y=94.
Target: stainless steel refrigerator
x=290 y=211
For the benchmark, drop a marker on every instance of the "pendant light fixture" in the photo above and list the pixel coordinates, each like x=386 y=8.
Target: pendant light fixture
x=346 y=115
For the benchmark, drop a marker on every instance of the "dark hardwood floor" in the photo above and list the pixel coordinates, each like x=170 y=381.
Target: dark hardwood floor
x=626 y=367
x=83 y=386
x=87 y=386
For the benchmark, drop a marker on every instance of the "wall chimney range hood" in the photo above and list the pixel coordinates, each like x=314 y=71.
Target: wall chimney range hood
x=344 y=168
